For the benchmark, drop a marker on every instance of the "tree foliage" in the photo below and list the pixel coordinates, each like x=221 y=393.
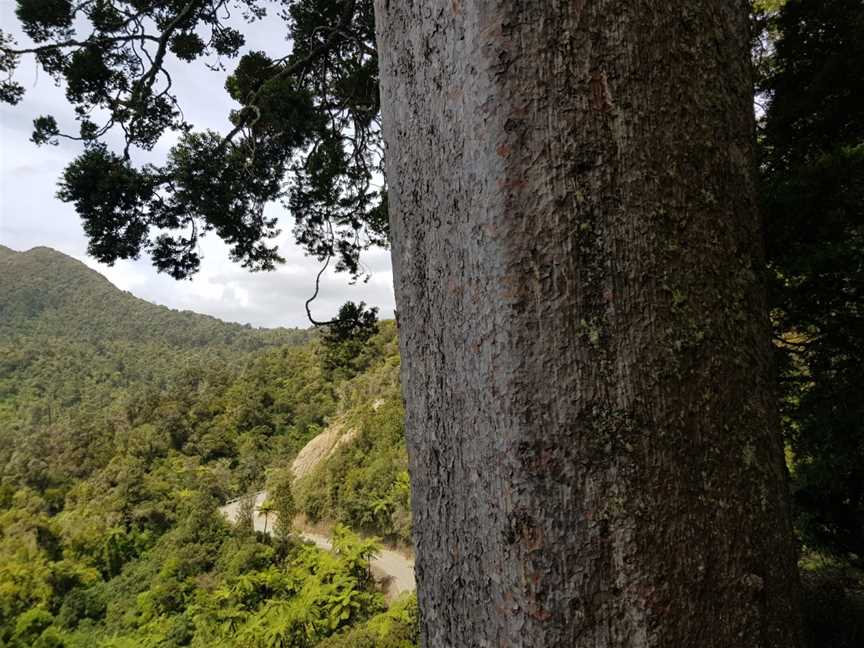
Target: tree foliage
x=305 y=131
x=116 y=448
x=812 y=144
x=280 y=491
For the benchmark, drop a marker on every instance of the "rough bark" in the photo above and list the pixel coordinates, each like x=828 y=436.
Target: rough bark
x=594 y=445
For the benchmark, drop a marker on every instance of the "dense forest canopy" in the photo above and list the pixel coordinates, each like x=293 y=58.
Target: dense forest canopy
x=118 y=444
x=812 y=172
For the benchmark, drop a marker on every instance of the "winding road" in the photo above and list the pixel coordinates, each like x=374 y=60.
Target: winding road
x=394 y=567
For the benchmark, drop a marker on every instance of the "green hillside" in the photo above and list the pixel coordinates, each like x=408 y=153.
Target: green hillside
x=47 y=293
x=72 y=346
x=124 y=425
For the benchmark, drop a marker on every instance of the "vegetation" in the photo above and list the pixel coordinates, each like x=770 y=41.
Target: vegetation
x=811 y=138
x=308 y=119
x=365 y=483
x=397 y=628
x=280 y=491
x=118 y=446
x=812 y=141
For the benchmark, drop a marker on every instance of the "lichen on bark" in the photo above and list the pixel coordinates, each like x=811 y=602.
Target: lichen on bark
x=585 y=354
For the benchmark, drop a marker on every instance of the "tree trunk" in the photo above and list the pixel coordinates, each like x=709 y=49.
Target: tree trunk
x=594 y=443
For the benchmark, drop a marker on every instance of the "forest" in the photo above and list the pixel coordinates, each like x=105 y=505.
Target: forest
x=124 y=427
x=620 y=402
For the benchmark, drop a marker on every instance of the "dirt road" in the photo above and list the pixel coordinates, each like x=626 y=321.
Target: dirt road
x=393 y=566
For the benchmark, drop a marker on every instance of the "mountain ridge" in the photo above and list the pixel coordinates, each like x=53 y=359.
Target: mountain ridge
x=46 y=292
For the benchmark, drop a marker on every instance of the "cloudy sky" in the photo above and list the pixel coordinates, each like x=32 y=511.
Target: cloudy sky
x=30 y=215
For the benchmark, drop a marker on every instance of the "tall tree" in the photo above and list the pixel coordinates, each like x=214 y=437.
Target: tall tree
x=594 y=441
x=812 y=146
x=266 y=508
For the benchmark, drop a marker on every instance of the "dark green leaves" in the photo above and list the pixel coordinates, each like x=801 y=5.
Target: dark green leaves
x=110 y=196
x=45 y=130
x=813 y=191
x=205 y=186
x=355 y=323
x=187 y=46
x=106 y=17
x=10 y=91
x=88 y=77
x=306 y=131
x=227 y=41
x=45 y=19
x=250 y=74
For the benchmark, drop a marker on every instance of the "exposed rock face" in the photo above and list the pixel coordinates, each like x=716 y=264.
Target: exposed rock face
x=320 y=448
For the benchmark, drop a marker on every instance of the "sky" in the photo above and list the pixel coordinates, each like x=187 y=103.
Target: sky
x=31 y=215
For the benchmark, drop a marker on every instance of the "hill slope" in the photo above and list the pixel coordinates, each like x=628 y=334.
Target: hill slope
x=123 y=426
x=73 y=347
x=47 y=293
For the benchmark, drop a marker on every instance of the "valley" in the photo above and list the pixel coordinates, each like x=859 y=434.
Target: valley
x=124 y=426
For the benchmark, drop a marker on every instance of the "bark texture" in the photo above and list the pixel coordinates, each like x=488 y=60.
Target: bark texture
x=594 y=445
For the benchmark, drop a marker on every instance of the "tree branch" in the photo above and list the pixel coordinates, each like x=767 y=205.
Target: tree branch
x=84 y=43
x=315 y=296
x=145 y=83
x=332 y=39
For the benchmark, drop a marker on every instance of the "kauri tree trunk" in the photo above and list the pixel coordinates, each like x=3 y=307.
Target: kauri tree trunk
x=594 y=445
